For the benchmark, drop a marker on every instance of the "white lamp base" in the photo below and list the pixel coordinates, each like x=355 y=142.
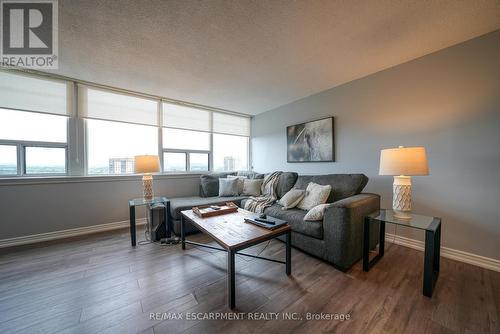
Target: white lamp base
x=401 y=197
x=147 y=183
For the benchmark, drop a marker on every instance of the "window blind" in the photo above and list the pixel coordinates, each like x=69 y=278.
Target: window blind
x=105 y=105
x=183 y=117
x=24 y=92
x=231 y=124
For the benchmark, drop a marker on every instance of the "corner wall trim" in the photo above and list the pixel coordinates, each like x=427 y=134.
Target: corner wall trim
x=35 y=238
x=450 y=253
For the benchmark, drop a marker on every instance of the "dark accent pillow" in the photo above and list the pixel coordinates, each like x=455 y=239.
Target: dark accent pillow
x=209 y=184
x=285 y=183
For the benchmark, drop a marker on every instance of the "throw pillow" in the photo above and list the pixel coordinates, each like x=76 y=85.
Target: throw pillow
x=291 y=198
x=316 y=213
x=316 y=194
x=252 y=187
x=209 y=184
x=228 y=187
x=240 y=182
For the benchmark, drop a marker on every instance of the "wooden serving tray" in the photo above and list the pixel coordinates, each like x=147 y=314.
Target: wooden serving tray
x=206 y=210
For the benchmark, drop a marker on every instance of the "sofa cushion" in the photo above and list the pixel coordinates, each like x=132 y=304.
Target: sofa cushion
x=285 y=183
x=295 y=217
x=343 y=185
x=230 y=187
x=209 y=184
x=179 y=204
x=252 y=187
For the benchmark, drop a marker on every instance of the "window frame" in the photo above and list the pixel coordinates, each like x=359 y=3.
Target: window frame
x=21 y=152
x=76 y=145
x=188 y=161
x=86 y=146
x=249 y=147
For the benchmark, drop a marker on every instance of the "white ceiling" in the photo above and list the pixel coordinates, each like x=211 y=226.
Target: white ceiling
x=252 y=56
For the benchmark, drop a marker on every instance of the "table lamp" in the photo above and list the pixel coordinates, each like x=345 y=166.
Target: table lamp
x=147 y=164
x=403 y=163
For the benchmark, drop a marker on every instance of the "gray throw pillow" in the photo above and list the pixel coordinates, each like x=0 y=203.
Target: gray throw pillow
x=209 y=184
x=228 y=187
x=252 y=187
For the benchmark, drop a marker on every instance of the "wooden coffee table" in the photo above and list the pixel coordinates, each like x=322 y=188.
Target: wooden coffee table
x=233 y=234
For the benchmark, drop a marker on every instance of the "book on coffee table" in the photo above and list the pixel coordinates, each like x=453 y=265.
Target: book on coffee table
x=270 y=223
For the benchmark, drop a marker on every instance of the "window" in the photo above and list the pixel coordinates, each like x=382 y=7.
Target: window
x=118 y=127
x=174 y=162
x=230 y=152
x=111 y=146
x=45 y=160
x=44 y=132
x=30 y=132
x=31 y=126
x=230 y=142
x=8 y=160
x=34 y=116
x=186 y=136
x=198 y=162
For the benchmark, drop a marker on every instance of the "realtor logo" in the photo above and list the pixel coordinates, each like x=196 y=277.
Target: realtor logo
x=29 y=33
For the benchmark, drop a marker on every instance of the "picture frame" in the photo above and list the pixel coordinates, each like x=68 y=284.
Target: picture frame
x=312 y=141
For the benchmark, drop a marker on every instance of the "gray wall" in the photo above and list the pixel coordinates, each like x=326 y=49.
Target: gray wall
x=28 y=208
x=449 y=102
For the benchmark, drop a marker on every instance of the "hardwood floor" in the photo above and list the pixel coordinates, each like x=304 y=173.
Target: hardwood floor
x=100 y=284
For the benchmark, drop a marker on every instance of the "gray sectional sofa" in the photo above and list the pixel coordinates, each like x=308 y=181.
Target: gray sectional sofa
x=336 y=239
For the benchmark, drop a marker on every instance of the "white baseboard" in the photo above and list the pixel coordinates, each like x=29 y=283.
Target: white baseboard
x=30 y=239
x=450 y=253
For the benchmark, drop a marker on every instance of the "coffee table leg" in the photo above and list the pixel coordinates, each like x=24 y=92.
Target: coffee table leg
x=289 y=253
x=183 y=234
x=230 y=279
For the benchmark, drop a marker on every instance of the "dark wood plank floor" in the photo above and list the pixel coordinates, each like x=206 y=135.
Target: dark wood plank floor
x=100 y=284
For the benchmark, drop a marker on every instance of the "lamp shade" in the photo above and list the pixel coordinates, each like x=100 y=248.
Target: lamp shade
x=403 y=161
x=147 y=164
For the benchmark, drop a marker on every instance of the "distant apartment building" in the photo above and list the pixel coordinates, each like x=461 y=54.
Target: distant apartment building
x=229 y=163
x=121 y=165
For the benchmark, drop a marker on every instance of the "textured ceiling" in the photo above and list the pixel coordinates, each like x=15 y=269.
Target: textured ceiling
x=252 y=56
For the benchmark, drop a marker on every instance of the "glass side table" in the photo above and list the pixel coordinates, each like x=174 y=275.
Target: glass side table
x=432 y=228
x=133 y=203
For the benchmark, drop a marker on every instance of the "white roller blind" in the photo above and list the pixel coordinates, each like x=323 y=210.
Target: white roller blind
x=182 y=117
x=24 y=92
x=105 y=105
x=231 y=124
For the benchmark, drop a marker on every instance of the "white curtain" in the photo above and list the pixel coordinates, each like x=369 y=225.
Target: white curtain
x=183 y=117
x=28 y=93
x=105 y=105
x=231 y=124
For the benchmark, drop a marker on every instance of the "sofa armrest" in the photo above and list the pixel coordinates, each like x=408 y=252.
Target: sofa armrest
x=343 y=228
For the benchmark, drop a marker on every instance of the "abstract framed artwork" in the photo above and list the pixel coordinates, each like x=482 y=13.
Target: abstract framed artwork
x=311 y=141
